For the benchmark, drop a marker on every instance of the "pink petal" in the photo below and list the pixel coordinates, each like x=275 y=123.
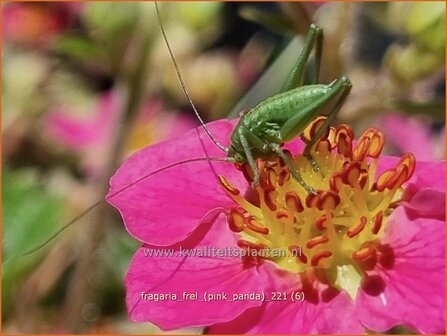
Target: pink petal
x=335 y=316
x=427 y=203
x=425 y=192
x=410 y=288
x=212 y=275
x=429 y=175
x=421 y=169
x=168 y=206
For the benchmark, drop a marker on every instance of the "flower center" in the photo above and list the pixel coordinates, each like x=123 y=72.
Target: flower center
x=336 y=231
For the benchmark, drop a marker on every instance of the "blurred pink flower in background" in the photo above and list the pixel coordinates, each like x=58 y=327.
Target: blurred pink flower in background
x=407 y=134
x=92 y=135
x=78 y=133
x=383 y=266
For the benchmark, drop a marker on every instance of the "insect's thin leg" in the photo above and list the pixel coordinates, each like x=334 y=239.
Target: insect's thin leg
x=296 y=77
x=276 y=148
x=250 y=159
x=329 y=120
x=304 y=117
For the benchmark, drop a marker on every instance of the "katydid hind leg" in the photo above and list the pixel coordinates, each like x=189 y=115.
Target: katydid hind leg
x=344 y=92
x=313 y=40
x=296 y=124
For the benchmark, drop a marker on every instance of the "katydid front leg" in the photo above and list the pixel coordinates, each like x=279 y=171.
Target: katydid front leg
x=297 y=176
x=246 y=139
x=251 y=161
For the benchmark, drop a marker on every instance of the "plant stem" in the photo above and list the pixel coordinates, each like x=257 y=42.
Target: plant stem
x=81 y=290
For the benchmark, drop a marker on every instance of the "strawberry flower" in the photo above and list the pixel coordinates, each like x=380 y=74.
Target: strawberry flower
x=365 y=252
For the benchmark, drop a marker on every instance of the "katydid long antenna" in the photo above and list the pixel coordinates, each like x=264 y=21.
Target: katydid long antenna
x=182 y=83
x=99 y=202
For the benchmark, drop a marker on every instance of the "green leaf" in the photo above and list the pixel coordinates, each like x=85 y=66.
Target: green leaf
x=434 y=109
x=29 y=217
x=273 y=78
x=273 y=21
x=77 y=47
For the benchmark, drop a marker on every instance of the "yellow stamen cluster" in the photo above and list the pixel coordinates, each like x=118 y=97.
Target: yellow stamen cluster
x=342 y=224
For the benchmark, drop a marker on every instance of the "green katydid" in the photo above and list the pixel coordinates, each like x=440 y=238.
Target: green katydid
x=262 y=130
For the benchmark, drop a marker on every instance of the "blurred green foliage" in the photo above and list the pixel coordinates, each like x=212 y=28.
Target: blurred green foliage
x=30 y=215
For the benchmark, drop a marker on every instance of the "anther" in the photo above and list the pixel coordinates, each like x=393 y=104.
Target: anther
x=409 y=161
x=249 y=245
x=311 y=130
x=269 y=197
x=282 y=214
x=360 y=152
x=377 y=142
x=269 y=175
x=363 y=254
x=252 y=226
x=320 y=223
x=236 y=221
x=323 y=146
x=335 y=182
x=344 y=145
x=311 y=200
x=317 y=241
x=227 y=186
x=351 y=174
x=328 y=200
x=297 y=252
x=247 y=172
x=284 y=176
x=359 y=228
x=331 y=137
x=377 y=219
x=319 y=256
x=384 y=179
x=343 y=129
x=293 y=202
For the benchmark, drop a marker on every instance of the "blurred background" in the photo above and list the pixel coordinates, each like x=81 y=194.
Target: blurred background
x=85 y=85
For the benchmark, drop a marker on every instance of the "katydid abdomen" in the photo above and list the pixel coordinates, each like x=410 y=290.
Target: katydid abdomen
x=265 y=119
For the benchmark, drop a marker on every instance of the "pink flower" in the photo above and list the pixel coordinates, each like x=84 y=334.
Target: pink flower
x=79 y=134
x=407 y=134
x=371 y=251
x=91 y=135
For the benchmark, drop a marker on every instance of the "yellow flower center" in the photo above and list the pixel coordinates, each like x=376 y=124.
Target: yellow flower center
x=337 y=231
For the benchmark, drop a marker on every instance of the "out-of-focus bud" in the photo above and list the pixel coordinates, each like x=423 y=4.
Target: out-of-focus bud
x=213 y=83
x=425 y=24
x=109 y=18
x=411 y=63
x=22 y=75
x=200 y=16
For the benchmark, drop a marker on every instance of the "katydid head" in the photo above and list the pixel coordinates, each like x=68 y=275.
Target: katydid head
x=235 y=155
